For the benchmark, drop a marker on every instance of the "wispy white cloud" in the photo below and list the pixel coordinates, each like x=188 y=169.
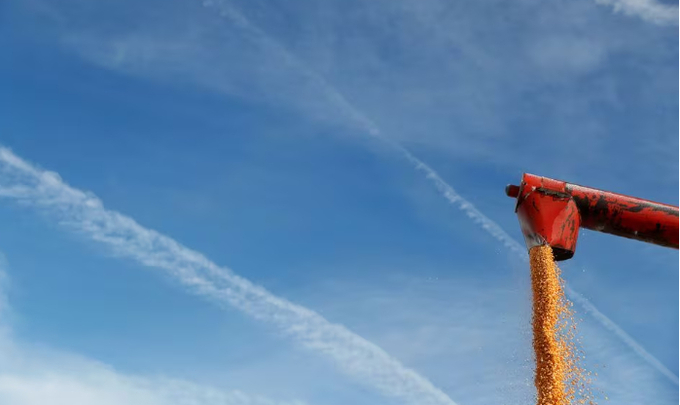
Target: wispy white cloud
x=31 y=375
x=520 y=251
x=446 y=190
x=89 y=382
x=648 y=10
x=583 y=54
x=427 y=69
x=424 y=324
x=628 y=340
x=501 y=236
x=149 y=58
x=84 y=212
x=483 y=323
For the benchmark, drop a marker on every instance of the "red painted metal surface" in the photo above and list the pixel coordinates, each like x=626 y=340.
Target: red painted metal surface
x=552 y=211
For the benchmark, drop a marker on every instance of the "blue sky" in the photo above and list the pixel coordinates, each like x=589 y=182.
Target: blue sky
x=282 y=142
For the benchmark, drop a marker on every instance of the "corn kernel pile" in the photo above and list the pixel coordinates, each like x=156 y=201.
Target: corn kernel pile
x=559 y=379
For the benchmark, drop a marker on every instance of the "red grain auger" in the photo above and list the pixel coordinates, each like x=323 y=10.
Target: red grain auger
x=551 y=212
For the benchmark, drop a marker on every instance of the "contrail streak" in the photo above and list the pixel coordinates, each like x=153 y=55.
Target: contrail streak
x=85 y=213
x=649 y=10
x=500 y=235
x=626 y=338
x=371 y=128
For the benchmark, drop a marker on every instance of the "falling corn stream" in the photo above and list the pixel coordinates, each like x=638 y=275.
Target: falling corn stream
x=560 y=379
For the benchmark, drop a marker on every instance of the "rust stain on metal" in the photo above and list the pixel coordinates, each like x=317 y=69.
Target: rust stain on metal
x=558 y=209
